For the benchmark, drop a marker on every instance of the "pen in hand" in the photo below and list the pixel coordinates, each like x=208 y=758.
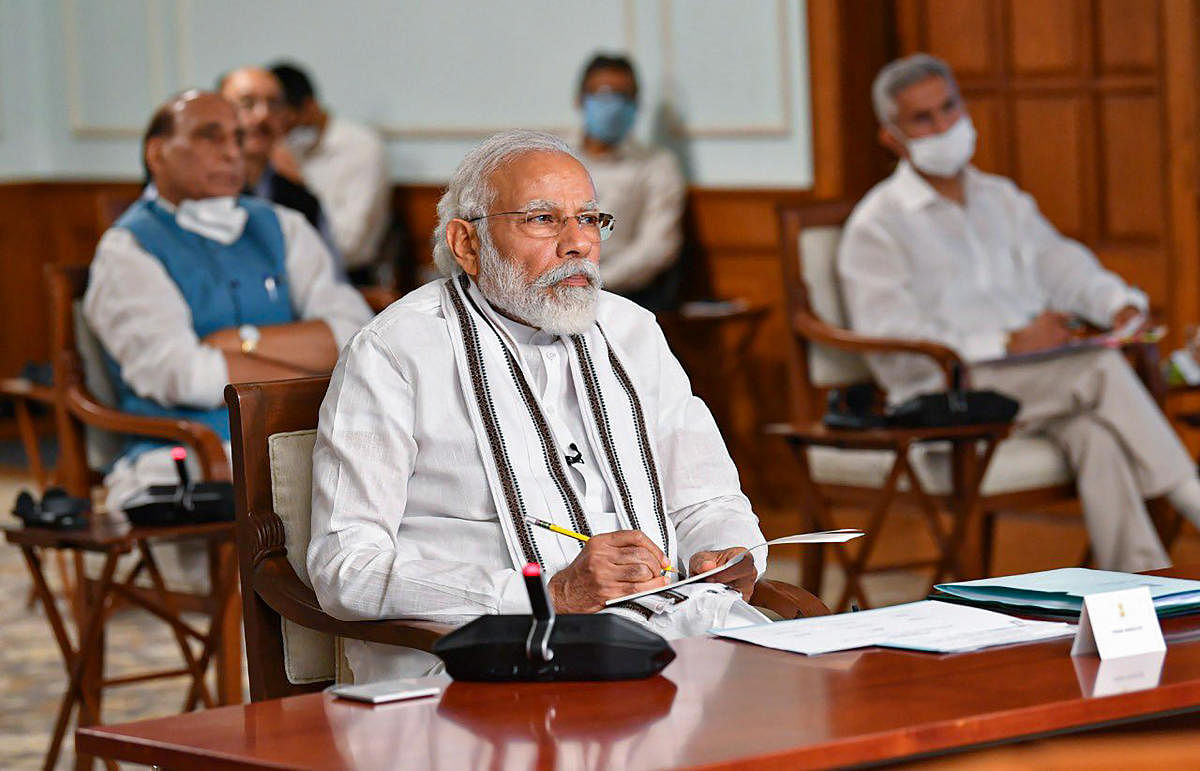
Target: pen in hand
x=572 y=534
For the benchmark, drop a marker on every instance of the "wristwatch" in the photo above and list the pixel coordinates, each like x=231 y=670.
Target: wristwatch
x=250 y=336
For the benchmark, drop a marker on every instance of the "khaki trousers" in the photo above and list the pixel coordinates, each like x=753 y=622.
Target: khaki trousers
x=1116 y=440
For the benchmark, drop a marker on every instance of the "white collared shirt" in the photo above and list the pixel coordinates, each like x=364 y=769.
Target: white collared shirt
x=644 y=189
x=913 y=264
x=136 y=310
x=347 y=170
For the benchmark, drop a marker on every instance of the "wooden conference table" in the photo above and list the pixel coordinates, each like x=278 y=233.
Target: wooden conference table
x=720 y=704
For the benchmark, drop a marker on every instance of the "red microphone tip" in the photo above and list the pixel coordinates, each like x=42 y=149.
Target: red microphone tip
x=532 y=569
x=178 y=453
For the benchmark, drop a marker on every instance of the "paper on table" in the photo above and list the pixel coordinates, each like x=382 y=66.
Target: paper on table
x=938 y=627
x=1064 y=588
x=821 y=536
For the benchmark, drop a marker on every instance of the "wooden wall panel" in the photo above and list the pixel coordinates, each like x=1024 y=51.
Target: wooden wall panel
x=1128 y=36
x=990 y=116
x=961 y=33
x=1051 y=37
x=1145 y=267
x=1048 y=148
x=1131 y=131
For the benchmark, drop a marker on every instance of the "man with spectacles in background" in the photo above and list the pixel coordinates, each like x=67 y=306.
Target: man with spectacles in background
x=642 y=186
x=515 y=388
x=272 y=172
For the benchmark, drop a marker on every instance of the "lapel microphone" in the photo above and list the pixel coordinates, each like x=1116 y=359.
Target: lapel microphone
x=576 y=458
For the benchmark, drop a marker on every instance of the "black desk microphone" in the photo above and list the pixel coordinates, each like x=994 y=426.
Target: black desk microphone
x=547 y=646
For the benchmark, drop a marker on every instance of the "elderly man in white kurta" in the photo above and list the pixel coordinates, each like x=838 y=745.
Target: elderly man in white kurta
x=515 y=388
x=941 y=251
x=195 y=287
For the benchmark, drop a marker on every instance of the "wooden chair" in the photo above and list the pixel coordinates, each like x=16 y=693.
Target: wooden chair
x=89 y=428
x=879 y=467
x=293 y=646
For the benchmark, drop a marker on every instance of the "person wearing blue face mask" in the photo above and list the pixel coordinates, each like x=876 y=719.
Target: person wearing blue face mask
x=641 y=186
x=941 y=251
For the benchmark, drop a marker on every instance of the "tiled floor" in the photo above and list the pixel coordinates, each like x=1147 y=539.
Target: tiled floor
x=32 y=677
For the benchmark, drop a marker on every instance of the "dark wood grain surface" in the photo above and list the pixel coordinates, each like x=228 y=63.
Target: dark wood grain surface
x=721 y=704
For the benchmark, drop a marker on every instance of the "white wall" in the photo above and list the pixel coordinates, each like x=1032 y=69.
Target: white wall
x=725 y=82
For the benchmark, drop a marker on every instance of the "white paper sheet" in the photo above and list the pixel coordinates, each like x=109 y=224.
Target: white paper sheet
x=939 y=627
x=822 y=536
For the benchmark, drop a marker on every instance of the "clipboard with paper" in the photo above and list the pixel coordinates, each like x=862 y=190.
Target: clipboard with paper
x=822 y=536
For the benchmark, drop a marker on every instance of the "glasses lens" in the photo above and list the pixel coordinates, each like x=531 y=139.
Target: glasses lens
x=542 y=223
x=607 y=221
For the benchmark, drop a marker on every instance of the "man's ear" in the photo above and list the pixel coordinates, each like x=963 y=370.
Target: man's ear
x=464 y=244
x=154 y=149
x=887 y=138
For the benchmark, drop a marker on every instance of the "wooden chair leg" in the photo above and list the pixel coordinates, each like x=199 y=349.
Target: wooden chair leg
x=813 y=511
x=855 y=567
x=226 y=620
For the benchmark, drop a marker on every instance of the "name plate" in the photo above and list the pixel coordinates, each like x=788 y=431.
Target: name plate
x=1117 y=624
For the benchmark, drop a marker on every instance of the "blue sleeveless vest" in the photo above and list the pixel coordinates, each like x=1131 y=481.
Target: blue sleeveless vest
x=224 y=286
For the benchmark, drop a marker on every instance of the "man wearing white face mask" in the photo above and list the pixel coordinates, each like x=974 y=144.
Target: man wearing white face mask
x=642 y=186
x=195 y=287
x=941 y=251
x=343 y=163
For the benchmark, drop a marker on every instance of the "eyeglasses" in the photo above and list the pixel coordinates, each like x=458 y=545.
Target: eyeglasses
x=250 y=103
x=548 y=223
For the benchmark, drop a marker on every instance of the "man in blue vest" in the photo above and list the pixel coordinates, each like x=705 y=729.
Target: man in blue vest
x=196 y=286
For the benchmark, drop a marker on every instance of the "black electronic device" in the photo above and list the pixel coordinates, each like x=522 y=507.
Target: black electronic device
x=184 y=503
x=546 y=646
x=56 y=511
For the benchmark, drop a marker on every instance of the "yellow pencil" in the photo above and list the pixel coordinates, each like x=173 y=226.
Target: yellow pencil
x=570 y=534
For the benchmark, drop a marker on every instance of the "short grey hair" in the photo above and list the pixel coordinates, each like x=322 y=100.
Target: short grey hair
x=470 y=193
x=899 y=75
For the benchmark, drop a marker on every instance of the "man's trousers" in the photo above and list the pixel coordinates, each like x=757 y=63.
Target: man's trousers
x=1116 y=440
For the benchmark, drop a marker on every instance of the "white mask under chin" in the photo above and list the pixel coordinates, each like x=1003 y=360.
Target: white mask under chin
x=945 y=154
x=220 y=218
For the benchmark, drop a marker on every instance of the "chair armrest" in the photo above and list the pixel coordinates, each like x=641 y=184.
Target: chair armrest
x=818 y=331
x=210 y=451
x=787 y=600
x=278 y=585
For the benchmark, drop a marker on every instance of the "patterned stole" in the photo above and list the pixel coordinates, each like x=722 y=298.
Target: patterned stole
x=505 y=410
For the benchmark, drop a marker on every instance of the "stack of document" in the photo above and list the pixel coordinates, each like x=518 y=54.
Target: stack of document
x=938 y=627
x=1061 y=592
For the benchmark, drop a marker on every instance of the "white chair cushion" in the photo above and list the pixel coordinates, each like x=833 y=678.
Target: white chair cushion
x=1020 y=463
x=308 y=655
x=827 y=366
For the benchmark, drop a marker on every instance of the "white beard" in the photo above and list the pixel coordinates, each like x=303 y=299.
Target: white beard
x=542 y=303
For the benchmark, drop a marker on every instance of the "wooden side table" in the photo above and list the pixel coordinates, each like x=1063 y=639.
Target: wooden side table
x=84 y=658
x=712 y=341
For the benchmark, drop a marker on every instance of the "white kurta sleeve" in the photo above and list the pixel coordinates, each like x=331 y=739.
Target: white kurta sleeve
x=659 y=234
x=315 y=291
x=361 y=565
x=876 y=284
x=137 y=312
x=1073 y=278
x=356 y=200
x=701 y=490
